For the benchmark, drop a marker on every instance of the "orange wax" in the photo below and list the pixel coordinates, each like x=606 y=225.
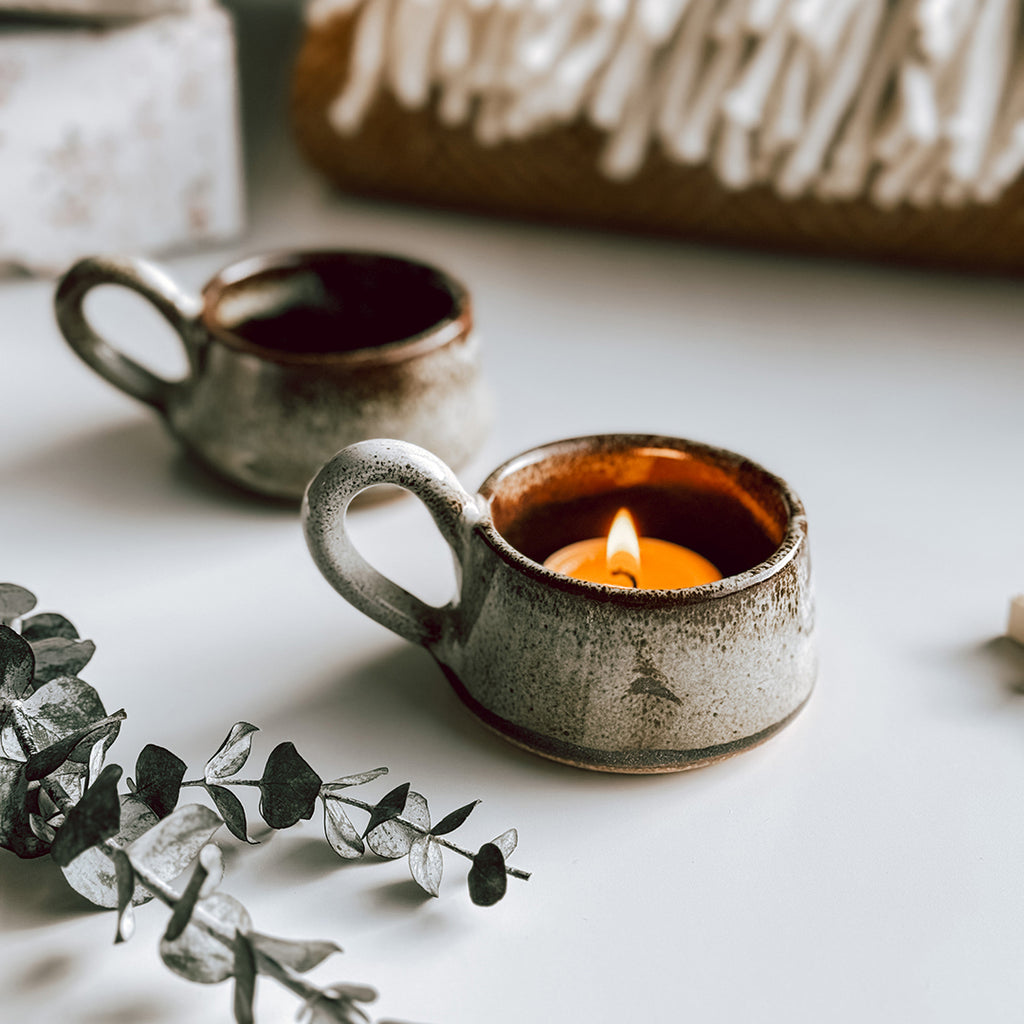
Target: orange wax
x=623 y=559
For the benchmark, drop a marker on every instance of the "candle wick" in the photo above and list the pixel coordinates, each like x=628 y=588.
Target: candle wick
x=628 y=575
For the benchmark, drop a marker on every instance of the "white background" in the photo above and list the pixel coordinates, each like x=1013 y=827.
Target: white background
x=865 y=865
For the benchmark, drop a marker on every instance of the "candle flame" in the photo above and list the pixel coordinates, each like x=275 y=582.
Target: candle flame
x=623 y=548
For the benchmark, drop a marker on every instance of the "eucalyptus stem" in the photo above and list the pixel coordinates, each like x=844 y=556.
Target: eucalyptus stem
x=364 y=806
x=447 y=843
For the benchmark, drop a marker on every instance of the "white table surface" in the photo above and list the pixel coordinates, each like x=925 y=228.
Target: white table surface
x=865 y=865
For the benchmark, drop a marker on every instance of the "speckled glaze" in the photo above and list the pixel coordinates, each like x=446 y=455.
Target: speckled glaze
x=268 y=418
x=601 y=677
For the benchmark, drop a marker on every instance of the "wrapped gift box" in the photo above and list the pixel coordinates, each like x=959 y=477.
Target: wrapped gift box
x=117 y=138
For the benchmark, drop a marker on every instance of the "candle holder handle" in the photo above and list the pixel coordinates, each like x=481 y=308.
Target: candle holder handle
x=324 y=509
x=179 y=309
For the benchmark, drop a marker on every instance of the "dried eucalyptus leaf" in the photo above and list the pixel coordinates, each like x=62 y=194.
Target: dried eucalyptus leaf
x=17 y=665
x=245 y=979
x=49 y=759
x=57 y=709
x=47 y=807
x=15 y=602
x=185 y=904
x=58 y=656
x=300 y=956
x=389 y=806
x=158 y=775
x=450 y=822
x=92 y=873
x=16 y=833
x=232 y=753
x=507 y=842
x=97 y=816
x=289 y=787
x=340 y=832
x=47 y=624
x=232 y=811
x=393 y=838
x=170 y=846
x=487 y=878
x=73 y=779
x=347 y=781
x=197 y=955
x=98 y=756
x=124 y=875
x=42 y=829
x=426 y=863
x=336 y=1005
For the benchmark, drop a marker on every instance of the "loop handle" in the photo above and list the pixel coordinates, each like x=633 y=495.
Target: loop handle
x=180 y=310
x=324 y=508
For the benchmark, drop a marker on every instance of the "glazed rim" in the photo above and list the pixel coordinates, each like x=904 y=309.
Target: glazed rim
x=793 y=536
x=436 y=336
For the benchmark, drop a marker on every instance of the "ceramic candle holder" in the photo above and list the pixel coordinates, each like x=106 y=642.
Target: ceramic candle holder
x=295 y=355
x=602 y=677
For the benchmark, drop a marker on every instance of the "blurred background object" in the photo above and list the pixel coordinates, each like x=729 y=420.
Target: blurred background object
x=881 y=128
x=116 y=135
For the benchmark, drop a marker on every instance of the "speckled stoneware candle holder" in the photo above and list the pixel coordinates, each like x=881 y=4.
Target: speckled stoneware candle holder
x=601 y=677
x=295 y=355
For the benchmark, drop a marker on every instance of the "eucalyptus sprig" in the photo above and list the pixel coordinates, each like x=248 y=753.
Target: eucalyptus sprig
x=120 y=850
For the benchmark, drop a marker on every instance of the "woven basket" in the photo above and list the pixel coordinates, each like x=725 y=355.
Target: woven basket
x=554 y=177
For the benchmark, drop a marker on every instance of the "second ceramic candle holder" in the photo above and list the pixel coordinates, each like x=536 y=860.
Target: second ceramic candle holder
x=295 y=355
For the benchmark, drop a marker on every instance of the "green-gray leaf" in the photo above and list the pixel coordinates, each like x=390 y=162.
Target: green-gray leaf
x=170 y=845
x=426 y=863
x=288 y=789
x=245 y=979
x=49 y=759
x=125 y=876
x=15 y=602
x=17 y=665
x=299 y=955
x=47 y=624
x=42 y=829
x=507 y=842
x=346 y=781
x=389 y=806
x=209 y=859
x=340 y=832
x=393 y=838
x=57 y=709
x=198 y=956
x=97 y=816
x=450 y=822
x=92 y=873
x=16 y=833
x=158 y=775
x=487 y=878
x=232 y=753
x=336 y=1006
x=232 y=811
x=57 y=656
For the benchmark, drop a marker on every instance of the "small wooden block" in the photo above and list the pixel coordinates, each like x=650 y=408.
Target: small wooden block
x=1015 y=627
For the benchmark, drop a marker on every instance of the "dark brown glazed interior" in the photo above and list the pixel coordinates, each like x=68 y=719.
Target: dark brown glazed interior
x=720 y=505
x=332 y=305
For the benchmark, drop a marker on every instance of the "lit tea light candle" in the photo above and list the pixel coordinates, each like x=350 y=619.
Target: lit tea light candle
x=624 y=559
